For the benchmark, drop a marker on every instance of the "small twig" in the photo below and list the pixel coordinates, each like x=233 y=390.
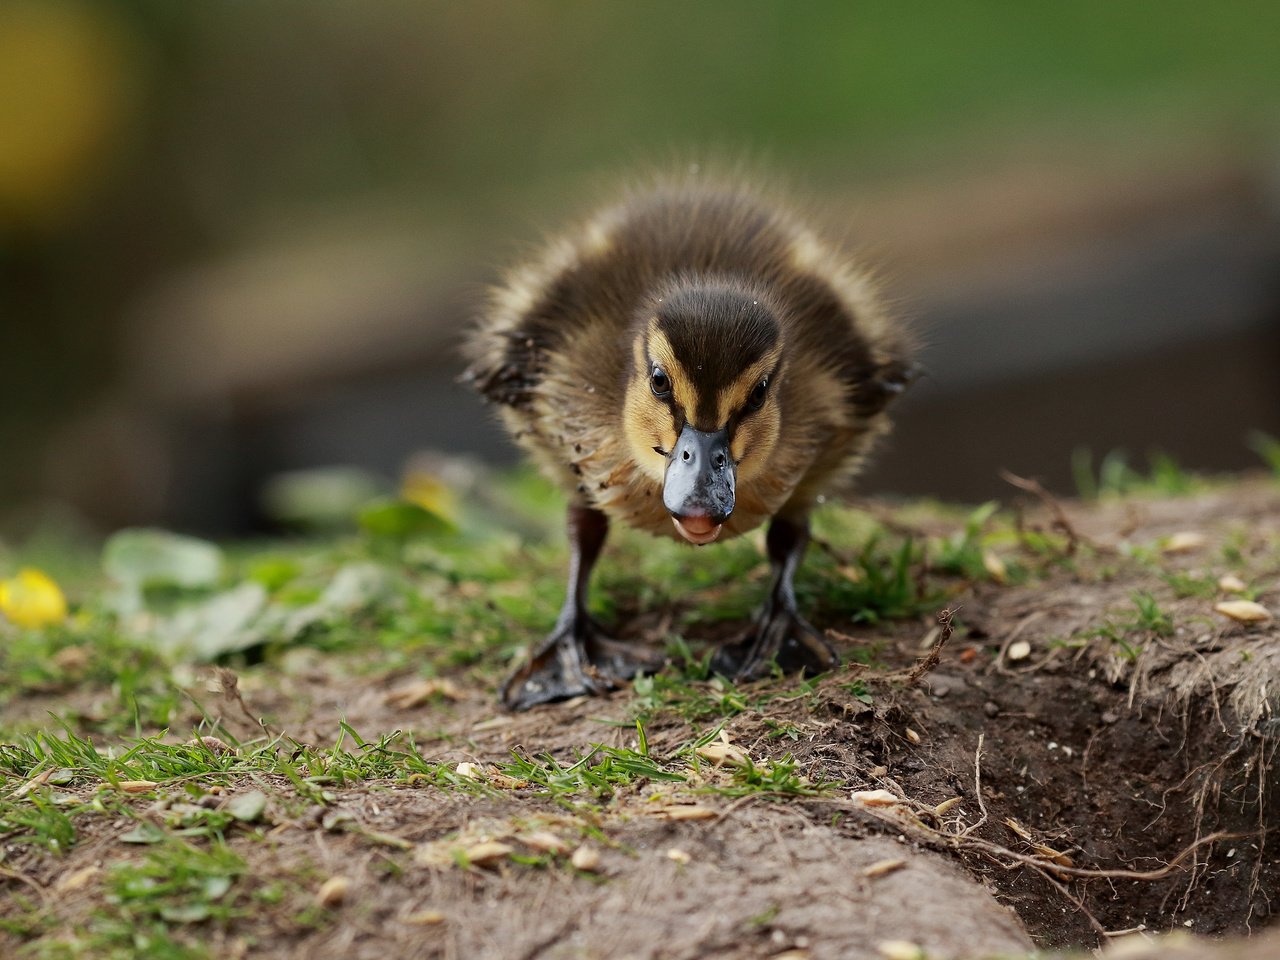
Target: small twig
x=977 y=788
x=1089 y=873
x=1140 y=928
x=23 y=878
x=1062 y=889
x=926 y=663
x=1060 y=519
x=230 y=684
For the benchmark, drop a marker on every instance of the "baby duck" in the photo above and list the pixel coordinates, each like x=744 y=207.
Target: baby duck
x=692 y=361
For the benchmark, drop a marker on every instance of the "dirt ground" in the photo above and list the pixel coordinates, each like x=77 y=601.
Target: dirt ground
x=1100 y=786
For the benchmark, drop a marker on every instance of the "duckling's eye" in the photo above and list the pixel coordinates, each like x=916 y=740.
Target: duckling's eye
x=758 y=395
x=660 y=383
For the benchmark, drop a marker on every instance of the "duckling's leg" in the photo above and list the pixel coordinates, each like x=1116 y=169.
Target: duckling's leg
x=778 y=633
x=577 y=657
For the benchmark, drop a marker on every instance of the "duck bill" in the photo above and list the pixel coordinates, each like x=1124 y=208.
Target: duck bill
x=698 y=487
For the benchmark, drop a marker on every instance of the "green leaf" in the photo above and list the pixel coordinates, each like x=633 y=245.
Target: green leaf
x=144 y=832
x=186 y=912
x=141 y=558
x=400 y=520
x=224 y=623
x=321 y=498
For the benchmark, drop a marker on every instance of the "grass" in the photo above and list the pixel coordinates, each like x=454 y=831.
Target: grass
x=1115 y=477
x=1129 y=632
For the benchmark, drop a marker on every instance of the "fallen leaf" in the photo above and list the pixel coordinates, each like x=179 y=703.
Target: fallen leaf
x=722 y=754
x=39 y=780
x=422 y=692
x=1244 y=611
x=1056 y=856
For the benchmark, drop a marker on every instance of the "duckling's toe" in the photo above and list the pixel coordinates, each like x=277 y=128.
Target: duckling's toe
x=577 y=659
x=779 y=637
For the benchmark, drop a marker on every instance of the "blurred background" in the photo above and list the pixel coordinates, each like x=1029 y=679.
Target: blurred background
x=239 y=240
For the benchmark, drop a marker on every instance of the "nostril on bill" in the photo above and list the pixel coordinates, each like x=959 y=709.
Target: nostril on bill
x=685 y=456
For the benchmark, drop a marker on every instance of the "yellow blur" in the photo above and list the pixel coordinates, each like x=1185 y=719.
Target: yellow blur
x=32 y=599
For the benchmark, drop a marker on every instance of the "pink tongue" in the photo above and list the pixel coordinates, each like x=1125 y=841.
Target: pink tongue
x=698 y=525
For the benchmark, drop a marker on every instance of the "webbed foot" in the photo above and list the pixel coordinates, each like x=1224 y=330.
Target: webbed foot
x=778 y=636
x=576 y=659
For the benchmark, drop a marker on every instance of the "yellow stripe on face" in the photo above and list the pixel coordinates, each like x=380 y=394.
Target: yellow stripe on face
x=734 y=397
x=684 y=390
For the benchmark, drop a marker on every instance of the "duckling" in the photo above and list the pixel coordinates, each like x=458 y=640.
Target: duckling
x=692 y=361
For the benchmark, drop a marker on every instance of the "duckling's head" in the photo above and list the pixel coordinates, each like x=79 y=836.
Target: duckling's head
x=701 y=411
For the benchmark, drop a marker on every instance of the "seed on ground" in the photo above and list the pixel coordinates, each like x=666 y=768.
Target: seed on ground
x=544 y=841
x=333 y=891
x=900 y=950
x=1186 y=541
x=683 y=812
x=875 y=798
x=1232 y=584
x=487 y=853
x=945 y=806
x=882 y=868
x=1019 y=650
x=994 y=566
x=1243 y=611
x=424 y=918
x=586 y=858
